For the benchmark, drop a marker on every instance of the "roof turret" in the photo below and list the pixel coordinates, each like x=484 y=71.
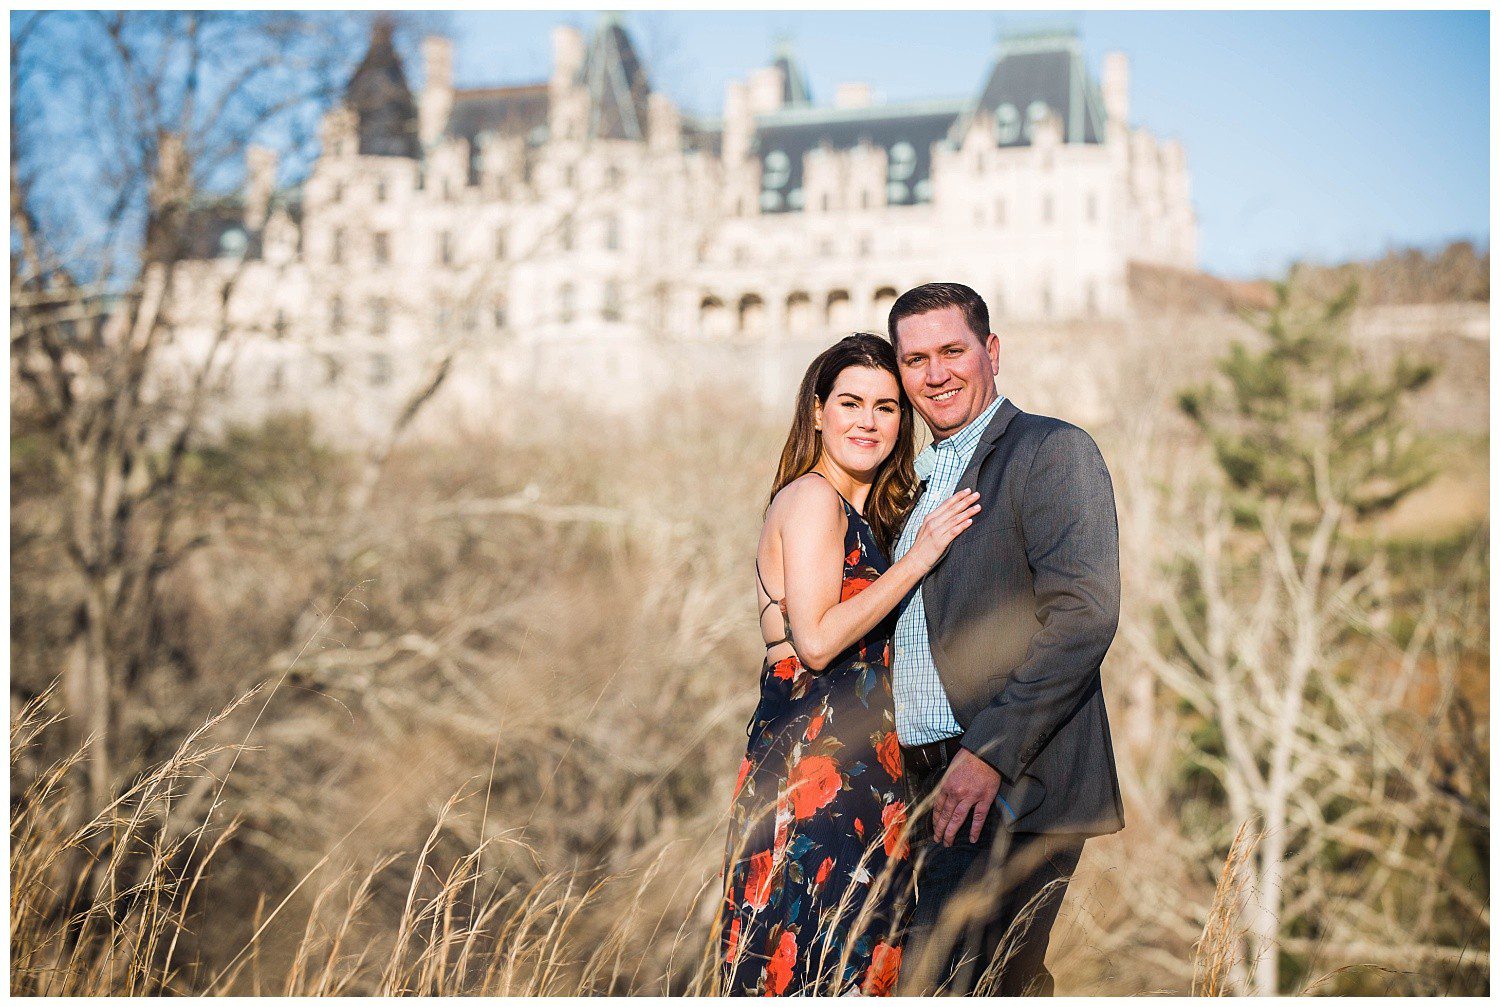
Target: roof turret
x=616 y=84
x=381 y=100
x=794 y=90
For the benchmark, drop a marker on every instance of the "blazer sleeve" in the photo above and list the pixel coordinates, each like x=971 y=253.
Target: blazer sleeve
x=1071 y=535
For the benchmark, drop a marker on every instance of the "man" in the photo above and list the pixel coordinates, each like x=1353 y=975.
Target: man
x=996 y=665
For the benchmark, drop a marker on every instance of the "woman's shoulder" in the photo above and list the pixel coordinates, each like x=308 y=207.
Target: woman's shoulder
x=807 y=497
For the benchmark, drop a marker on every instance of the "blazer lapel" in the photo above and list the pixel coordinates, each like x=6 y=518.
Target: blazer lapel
x=987 y=441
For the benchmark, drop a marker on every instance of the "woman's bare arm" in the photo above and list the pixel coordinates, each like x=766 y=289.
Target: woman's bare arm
x=812 y=524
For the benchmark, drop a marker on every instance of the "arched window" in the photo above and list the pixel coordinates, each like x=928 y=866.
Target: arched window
x=885 y=299
x=713 y=319
x=799 y=317
x=752 y=316
x=836 y=312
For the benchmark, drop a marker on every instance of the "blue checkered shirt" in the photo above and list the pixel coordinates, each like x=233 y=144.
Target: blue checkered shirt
x=923 y=713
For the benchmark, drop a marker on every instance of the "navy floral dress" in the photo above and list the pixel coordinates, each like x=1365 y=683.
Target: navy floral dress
x=817 y=862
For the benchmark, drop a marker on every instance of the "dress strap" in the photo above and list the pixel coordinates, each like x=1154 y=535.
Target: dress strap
x=836 y=490
x=786 y=625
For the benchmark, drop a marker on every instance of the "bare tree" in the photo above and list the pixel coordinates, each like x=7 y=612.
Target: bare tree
x=120 y=123
x=1322 y=680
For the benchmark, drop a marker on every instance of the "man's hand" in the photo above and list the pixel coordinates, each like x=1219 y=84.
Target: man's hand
x=969 y=783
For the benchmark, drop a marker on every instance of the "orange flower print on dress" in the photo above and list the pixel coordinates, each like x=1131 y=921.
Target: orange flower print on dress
x=853 y=586
x=812 y=783
x=885 y=967
x=779 y=968
x=893 y=817
x=734 y=940
x=824 y=869
x=888 y=751
x=821 y=750
x=758 y=888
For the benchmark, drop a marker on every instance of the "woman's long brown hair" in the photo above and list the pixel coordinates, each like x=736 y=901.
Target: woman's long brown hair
x=894 y=491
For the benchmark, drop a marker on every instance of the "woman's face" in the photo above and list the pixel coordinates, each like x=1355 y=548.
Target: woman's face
x=861 y=419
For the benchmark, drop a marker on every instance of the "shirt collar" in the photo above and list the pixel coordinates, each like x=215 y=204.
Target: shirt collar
x=962 y=442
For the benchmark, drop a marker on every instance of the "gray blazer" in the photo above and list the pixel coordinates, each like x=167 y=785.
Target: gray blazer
x=1020 y=612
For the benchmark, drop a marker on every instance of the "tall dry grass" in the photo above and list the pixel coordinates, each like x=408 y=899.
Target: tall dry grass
x=498 y=717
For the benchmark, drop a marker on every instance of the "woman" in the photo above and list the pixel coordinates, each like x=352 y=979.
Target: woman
x=815 y=863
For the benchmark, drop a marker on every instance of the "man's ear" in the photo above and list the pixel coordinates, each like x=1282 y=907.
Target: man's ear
x=992 y=347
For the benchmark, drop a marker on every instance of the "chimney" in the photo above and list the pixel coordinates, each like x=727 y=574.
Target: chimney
x=767 y=85
x=738 y=122
x=567 y=57
x=436 y=102
x=1117 y=87
x=663 y=124
x=852 y=94
x=260 y=182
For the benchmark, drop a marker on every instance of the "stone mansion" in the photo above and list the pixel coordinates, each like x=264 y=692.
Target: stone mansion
x=561 y=234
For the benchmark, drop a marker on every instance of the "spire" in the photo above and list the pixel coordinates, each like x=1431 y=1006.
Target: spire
x=794 y=91
x=616 y=83
x=380 y=98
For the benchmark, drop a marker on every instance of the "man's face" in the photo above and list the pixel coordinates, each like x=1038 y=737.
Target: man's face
x=948 y=372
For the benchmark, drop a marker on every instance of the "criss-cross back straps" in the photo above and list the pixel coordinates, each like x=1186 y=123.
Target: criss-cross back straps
x=786 y=624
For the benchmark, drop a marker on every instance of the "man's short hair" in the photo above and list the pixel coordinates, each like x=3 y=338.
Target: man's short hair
x=933 y=296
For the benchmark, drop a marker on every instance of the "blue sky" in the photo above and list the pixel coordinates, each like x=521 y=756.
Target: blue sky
x=1309 y=135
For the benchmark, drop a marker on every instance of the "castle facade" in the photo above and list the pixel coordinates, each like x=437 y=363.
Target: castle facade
x=556 y=236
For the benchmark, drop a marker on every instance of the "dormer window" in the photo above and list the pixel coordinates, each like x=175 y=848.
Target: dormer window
x=1007 y=123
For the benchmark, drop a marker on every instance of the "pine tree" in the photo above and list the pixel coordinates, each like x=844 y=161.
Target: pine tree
x=1307 y=423
x=1269 y=636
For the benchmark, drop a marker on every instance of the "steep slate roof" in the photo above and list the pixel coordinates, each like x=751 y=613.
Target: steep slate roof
x=1035 y=74
x=509 y=111
x=794 y=90
x=616 y=82
x=379 y=96
x=907 y=132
